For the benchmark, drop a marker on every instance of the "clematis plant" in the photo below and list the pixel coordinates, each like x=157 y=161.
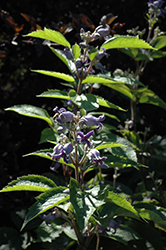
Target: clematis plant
x=88 y=207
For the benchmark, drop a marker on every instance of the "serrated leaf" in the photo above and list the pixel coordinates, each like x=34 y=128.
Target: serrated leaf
x=87 y=101
x=84 y=203
x=127 y=80
x=118 y=42
x=160 y=42
x=62 y=76
x=121 y=201
x=107 y=104
x=109 y=145
x=36 y=183
x=46 y=201
x=51 y=35
x=76 y=50
x=69 y=63
x=98 y=79
x=31 y=111
x=55 y=93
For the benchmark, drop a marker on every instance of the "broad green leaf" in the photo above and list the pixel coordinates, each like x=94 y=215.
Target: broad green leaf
x=118 y=42
x=30 y=183
x=106 y=114
x=160 y=42
x=84 y=203
x=109 y=145
x=92 y=53
x=31 y=111
x=46 y=201
x=44 y=154
x=124 y=234
x=62 y=76
x=69 y=63
x=55 y=93
x=48 y=135
x=154 y=213
x=76 y=50
x=158 y=54
x=51 y=35
x=87 y=102
x=146 y=95
x=107 y=104
x=47 y=233
x=121 y=202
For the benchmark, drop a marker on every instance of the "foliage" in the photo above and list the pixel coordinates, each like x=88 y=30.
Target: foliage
x=87 y=210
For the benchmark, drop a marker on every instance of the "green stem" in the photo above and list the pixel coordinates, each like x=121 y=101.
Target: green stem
x=79 y=86
x=98 y=241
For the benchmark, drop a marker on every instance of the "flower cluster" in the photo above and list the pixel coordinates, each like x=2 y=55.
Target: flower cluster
x=156 y=7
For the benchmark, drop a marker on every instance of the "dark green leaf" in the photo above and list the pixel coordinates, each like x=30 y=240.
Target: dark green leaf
x=46 y=201
x=84 y=203
x=107 y=104
x=31 y=111
x=48 y=135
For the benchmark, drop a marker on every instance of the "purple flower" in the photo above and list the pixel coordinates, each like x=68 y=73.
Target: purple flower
x=157 y=7
x=67 y=53
x=60 y=151
x=51 y=216
x=55 y=167
x=81 y=138
x=113 y=224
x=62 y=116
x=90 y=120
x=100 y=67
x=101 y=54
x=102 y=31
x=95 y=159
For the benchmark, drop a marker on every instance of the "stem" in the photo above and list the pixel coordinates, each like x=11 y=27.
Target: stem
x=98 y=241
x=79 y=86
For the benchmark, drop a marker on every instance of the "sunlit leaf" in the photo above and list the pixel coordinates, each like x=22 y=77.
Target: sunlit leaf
x=125 y=42
x=62 y=76
x=30 y=183
x=51 y=35
x=76 y=50
x=31 y=111
x=55 y=93
x=107 y=104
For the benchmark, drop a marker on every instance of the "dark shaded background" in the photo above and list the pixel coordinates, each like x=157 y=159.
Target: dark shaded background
x=20 y=135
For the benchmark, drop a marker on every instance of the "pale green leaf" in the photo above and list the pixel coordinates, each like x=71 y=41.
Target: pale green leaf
x=109 y=145
x=76 y=50
x=30 y=183
x=31 y=111
x=117 y=42
x=62 y=76
x=51 y=35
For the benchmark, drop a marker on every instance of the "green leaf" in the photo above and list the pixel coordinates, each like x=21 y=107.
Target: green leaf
x=55 y=93
x=87 y=102
x=76 y=50
x=48 y=135
x=51 y=35
x=62 y=76
x=106 y=114
x=107 y=104
x=69 y=63
x=46 y=201
x=31 y=111
x=121 y=202
x=146 y=95
x=84 y=203
x=47 y=233
x=36 y=183
x=109 y=145
x=92 y=53
x=98 y=79
x=154 y=213
x=117 y=42
x=160 y=42
x=127 y=80
x=44 y=154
